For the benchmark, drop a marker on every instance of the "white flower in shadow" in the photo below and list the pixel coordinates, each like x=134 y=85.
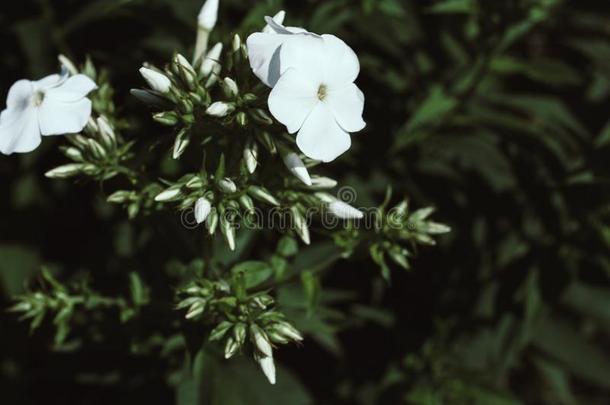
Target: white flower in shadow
x=54 y=105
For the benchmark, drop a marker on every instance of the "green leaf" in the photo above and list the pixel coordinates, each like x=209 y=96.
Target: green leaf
x=452 y=7
x=254 y=272
x=17 y=264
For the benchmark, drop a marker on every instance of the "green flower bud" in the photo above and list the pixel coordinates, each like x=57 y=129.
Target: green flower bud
x=170 y=194
x=212 y=221
x=241 y=118
x=181 y=143
x=300 y=225
x=65 y=171
x=231 y=347
x=121 y=196
x=230 y=87
x=260 y=340
x=220 y=109
x=168 y=118
x=250 y=156
x=227 y=186
x=261 y=194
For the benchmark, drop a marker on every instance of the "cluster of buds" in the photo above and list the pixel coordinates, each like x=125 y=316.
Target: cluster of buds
x=396 y=228
x=216 y=200
x=241 y=322
x=97 y=153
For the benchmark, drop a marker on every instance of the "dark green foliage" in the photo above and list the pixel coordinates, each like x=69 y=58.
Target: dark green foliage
x=496 y=113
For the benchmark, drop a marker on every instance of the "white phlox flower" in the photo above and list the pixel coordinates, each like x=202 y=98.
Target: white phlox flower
x=54 y=105
x=313 y=91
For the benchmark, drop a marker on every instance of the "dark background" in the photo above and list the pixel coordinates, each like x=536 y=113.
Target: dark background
x=495 y=113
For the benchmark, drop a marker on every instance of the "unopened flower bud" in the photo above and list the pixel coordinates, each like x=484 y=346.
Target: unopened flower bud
x=156 y=80
x=65 y=171
x=236 y=43
x=168 y=195
x=97 y=151
x=241 y=118
x=260 y=116
x=321 y=183
x=180 y=143
x=251 y=156
x=289 y=331
x=239 y=333
x=263 y=195
x=195 y=310
x=231 y=347
x=260 y=340
x=227 y=185
x=246 y=202
x=230 y=87
x=106 y=133
x=73 y=153
x=219 y=109
x=186 y=71
x=211 y=63
x=147 y=97
x=228 y=231
x=296 y=166
x=168 y=118
x=300 y=225
x=268 y=367
x=325 y=197
x=119 y=197
x=344 y=211
x=208 y=15
x=212 y=221
x=67 y=64
x=202 y=209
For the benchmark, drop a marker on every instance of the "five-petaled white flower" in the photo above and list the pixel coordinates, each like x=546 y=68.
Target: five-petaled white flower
x=54 y=105
x=313 y=93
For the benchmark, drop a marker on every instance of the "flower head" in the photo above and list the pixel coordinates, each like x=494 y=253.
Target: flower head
x=313 y=93
x=54 y=105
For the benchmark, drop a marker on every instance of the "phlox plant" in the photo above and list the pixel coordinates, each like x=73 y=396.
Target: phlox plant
x=253 y=121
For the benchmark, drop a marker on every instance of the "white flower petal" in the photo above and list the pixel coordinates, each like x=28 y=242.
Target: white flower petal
x=48 y=82
x=19 y=95
x=321 y=138
x=57 y=117
x=263 y=54
x=292 y=99
x=73 y=89
x=342 y=65
x=278 y=18
x=21 y=133
x=307 y=54
x=347 y=105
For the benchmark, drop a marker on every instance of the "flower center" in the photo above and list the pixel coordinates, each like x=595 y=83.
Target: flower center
x=322 y=90
x=37 y=98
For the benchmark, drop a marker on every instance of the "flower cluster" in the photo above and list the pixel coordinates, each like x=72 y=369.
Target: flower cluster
x=227 y=117
x=237 y=316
